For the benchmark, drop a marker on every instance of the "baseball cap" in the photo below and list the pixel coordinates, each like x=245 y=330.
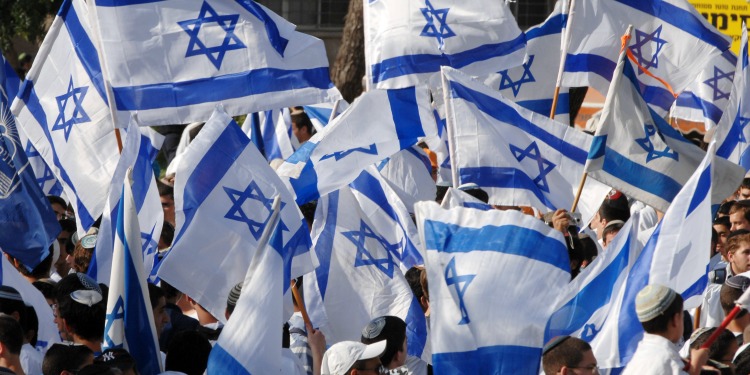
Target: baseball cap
x=340 y=357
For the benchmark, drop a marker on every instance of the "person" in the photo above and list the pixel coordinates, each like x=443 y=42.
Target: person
x=659 y=309
x=738 y=252
x=178 y=322
x=81 y=308
x=722 y=351
x=12 y=305
x=739 y=215
x=610 y=231
x=188 y=353
x=722 y=227
x=68 y=228
x=62 y=359
x=392 y=329
x=166 y=195
x=614 y=207
x=83 y=252
x=11 y=340
x=302 y=127
x=353 y=358
x=120 y=359
x=158 y=306
x=744 y=190
x=566 y=355
x=59 y=206
x=730 y=292
x=209 y=327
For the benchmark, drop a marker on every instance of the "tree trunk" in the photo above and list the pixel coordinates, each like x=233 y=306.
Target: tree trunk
x=349 y=67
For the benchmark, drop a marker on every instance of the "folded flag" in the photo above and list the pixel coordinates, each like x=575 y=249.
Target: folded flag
x=270 y=131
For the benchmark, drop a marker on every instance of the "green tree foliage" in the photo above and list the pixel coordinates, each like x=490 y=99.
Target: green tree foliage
x=25 y=19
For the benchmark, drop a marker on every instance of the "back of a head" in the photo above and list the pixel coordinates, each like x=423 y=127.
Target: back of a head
x=188 y=352
x=615 y=207
x=154 y=293
x=412 y=277
x=719 y=349
x=389 y=328
x=11 y=334
x=656 y=306
x=731 y=291
x=62 y=357
x=563 y=351
x=11 y=301
x=82 y=305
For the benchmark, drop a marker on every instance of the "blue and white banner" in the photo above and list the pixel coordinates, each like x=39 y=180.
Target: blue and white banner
x=138 y=154
x=223 y=193
x=732 y=133
x=335 y=156
x=637 y=152
x=62 y=109
x=409 y=173
x=532 y=85
x=130 y=320
x=670 y=39
x=173 y=60
x=408 y=41
x=271 y=133
x=519 y=157
x=478 y=324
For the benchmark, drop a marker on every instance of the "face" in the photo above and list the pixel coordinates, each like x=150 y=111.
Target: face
x=609 y=237
x=744 y=193
x=587 y=365
x=301 y=133
x=59 y=210
x=738 y=221
x=723 y=233
x=161 y=317
x=371 y=366
x=740 y=258
x=167 y=204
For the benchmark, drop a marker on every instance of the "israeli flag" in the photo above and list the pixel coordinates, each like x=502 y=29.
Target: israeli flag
x=44 y=176
x=457 y=198
x=477 y=325
x=441 y=147
x=130 y=321
x=63 y=110
x=173 y=61
x=322 y=113
x=532 y=85
x=223 y=194
x=408 y=41
x=519 y=157
x=335 y=156
x=47 y=333
x=365 y=240
x=732 y=133
x=409 y=173
x=270 y=131
x=637 y=152
x=138 y=154
x=674 y=256
x=670 y=39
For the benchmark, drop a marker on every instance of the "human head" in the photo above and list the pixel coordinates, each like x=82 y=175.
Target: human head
x=81 y=307
x=158 y=305
x=66 y=359
x=610 y=231
x=413 y=276
x=392 y=329
x=352 y=358
x=738 y=251
x=11 y=337
x=739 y=215
x=83 y=252
x=724 y=208
x=167 y=235
x=744 y=191
x=722 y=350
x=59 y=206
x=722 y=227
x=659 y=310
x=567 y=355
x=166 y=195
x=11 y=302
x=302 y=127
x=188 y=352
x=120 y=359
x=614 y=207
x=730 y=292
x=234 y=295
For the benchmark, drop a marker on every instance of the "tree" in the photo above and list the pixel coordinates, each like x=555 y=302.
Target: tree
x=349 y=67
x=26 y=19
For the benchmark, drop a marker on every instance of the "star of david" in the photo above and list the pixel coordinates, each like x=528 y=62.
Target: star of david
x=742 y=123
x=364 y=257
x=545 y=166
x=507 y=83
x=196 y=46
x=441 y=31
x=460 y=284
x=46 y=176
x=74 y=96
x=149 y=245
x=648 y=145
x=117 y=313
x=643 y=39
x=713 y=82
x=589 y=332
x=236 y=212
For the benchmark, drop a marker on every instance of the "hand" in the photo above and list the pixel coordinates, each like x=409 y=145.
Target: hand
x=561 y=221
x=317 y=340
x=698 y=358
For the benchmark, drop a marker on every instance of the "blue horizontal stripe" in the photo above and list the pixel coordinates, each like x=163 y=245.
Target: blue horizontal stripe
x=709 y=109
x=552 y=26
x=84 y=48
x=503 y=177
x=507 y=114
x=216 y=89
x=544 y=106
x=120 y=3
x=506 y=239
x=585 y=62
x=428 y=63
x=500 y=359
x=644 y=178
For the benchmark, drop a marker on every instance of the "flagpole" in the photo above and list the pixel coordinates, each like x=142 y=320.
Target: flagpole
x=564 y=45
x=301 y=305
x=334 y=110
x=450 y=127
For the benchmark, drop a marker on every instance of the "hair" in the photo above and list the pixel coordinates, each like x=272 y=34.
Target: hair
x=719 y=349
x=188 y=352
x=54 y=199
x=413 y=276
x=302 y=120
x=85 y=321
x=164 y=189
x=308 y=212
x=9 y=306
x=612 y=228
x=11 y=334
x=61 y=357
x=742 y=362
x=734 y=241
x=615 y=207
x=660 y=323
x=714 y=236
x=725 y=208
x=723 y=221
x=30 y=325
x=727 y=296
x=423 y=282
x=154 y=293
x=47 y=287
x=745 y=183
x=743 y=207
x=40 y=271
x=568 y=353
x=167 y=233
x=170 y=292
x=82 y=258
x=590 y=250
x=394 y=332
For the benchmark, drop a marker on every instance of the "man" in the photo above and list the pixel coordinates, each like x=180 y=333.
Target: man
x=166 y=195
x=353 y=358
x=744 y=191
x=739 y=215
x=59 y=206
x=731 y=291
x=178 y=321
x=393 y=330
x=614 y=207
x=302 y=127
x=12 y=305
x=62 y=267
x=659 y=309
x=737 y=253
x=81 y=309
x=566 y=355
x=11 y=340
x=64 y=359
x=722 y=227
x=209 y=327
x=158 y=306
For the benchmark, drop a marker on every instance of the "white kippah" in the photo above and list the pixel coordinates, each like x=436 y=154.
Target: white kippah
x=652 y=301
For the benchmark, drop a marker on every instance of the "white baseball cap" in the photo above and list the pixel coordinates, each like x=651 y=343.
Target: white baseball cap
x=341 y=356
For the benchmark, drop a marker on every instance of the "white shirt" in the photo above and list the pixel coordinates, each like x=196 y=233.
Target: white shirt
x=31 y=360
x=655 y=355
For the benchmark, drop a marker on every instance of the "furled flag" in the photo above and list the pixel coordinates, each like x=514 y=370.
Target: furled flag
x=270 y=131
x=364 y=243
x=27 y=223
x=674 y=256
x=250 y=342
x=519 y=157
x=457 y=198
x=637 y=152
x=223 y=193
x=532 y=85
x=670 y=39
x=47 y=334
x=732 y=133
x=174 y=60
x=409 y=173
x=129 y=322
x=407 y=41
x=482 y=266
x=138 y=154
x=63 y=110
x=334 y=157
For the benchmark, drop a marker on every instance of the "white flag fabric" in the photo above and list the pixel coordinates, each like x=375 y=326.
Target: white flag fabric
x=130 y=320
x=478 y=325
x=732 y=132
x=173 y=61
x=270 y=131
x=457 y=198
x=138 y=154
x=408 y=41
x=44 y=176
x=335 y=156
x=223 y=194
x=519 y=157
x=670 y=39
x=63 y=110
x=637 y=152
x=320 y=114
x=409 y=173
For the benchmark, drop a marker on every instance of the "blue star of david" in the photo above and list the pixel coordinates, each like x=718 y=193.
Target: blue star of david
x=46 y=176
x=75 y=95
x=236 y=212
x=338 y=155
x=648 y=145
x=149 y=245
x=215 y=53
x=713 y=82
x=364 y=257
x=507 y=83
x=642 y=40
x=589 y=332
x=117 y=313
x=545 y=166
x=441 y=31
x=742 y=123
x=461 y=283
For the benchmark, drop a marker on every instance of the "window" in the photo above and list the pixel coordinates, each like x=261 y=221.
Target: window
x=320 y=14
